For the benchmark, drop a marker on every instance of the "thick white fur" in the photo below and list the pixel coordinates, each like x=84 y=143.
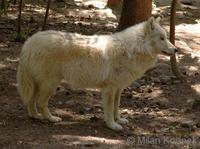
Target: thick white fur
x=105 y=62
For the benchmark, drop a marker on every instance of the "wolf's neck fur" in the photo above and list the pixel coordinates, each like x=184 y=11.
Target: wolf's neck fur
x=141 y=55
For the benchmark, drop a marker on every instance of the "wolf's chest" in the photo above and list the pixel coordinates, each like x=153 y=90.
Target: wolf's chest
x=127 y=71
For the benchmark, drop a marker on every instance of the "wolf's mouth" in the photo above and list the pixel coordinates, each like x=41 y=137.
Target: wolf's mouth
x=165 y=53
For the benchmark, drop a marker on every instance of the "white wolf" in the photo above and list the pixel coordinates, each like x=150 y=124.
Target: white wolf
x=106 y=62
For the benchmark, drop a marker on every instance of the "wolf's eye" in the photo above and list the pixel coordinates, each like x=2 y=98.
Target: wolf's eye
x=162 y=38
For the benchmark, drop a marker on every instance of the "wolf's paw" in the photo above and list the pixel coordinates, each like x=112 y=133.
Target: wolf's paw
x=54 y=119
x=115 y=126
x=37 y=116
x=122 y=121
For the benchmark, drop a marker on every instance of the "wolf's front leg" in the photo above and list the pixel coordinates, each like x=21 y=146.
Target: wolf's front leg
x=108 y=95
x=116 y=108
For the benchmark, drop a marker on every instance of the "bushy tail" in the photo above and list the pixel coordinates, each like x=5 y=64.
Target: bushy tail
x=26 y=85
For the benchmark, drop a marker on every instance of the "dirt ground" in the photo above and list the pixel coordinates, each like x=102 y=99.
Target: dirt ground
x=163 y=112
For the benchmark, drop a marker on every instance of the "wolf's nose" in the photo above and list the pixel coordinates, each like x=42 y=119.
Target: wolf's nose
x=175 y=50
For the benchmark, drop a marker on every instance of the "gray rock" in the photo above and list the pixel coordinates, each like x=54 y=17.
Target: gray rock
x=188 y=124
x=176 y=81
x=156 y=80
x=163 y=2
x=191 y=2
x=180 y=15
x=136 y=84
x=165 y=80
x=196 y=105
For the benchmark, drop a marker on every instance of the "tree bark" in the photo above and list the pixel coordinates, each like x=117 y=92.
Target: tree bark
x=46 y=14
x=2 y=4
x=14 y=2
x=173 y=60
x=115 y=6
x=133 y=12
x=113 y=2
x=19 y=36
x=19 y=18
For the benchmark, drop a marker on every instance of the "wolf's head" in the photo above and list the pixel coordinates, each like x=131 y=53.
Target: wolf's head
x=158 y=38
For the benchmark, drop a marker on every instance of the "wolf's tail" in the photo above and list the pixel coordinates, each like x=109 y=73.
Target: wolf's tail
x=26 y=85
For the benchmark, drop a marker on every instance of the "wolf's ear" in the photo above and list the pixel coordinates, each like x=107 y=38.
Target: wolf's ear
x=150 y=25
x=158 y=19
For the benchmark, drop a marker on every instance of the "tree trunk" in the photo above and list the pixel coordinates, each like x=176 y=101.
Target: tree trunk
x=46 y=15
x=113 y=2
x=115 y=6
x=173 y=60
x=19 y=18
x=133 y=12
x=14 y=2
x=19 y=36
x=2 y=4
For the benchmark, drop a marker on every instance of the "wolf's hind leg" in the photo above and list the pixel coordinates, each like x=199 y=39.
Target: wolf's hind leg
x=108 y=107
x=32 y=107
x=116 y=108
x=46 y=91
